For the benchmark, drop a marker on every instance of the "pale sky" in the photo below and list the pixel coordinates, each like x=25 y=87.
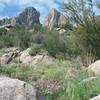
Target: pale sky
x=10 y=8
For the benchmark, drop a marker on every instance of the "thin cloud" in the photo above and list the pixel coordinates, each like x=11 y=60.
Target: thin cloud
x=13 y=7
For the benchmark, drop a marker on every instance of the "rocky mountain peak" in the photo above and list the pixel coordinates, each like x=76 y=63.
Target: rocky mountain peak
x=54 y=19
x=29 y=17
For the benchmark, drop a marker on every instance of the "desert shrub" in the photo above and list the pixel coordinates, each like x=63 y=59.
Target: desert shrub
x=18 y=36
x=35 y=48
x=54 y=44
x=38 y=38
x=3 y=32
x=6 y=41
x=73 y=48
x=87 y=24
x=37 y=28
x=21 y=37
x=62 y=46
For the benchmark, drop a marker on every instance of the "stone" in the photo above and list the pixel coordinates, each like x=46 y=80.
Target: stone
x=14 y=89
x=25 y=57
x=95 y=67
x=95 y=98
x=6 y=58
x=42 y=59
x=8 y=55
x=62 y=31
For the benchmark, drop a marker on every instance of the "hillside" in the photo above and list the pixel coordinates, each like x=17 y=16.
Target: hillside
x=56 y=60
x=28 y=18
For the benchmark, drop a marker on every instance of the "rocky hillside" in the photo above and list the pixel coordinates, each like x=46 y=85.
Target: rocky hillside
x=28 y=17
x=55 y=19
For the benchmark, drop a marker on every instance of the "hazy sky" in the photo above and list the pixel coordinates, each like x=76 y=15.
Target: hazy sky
x=9 y=8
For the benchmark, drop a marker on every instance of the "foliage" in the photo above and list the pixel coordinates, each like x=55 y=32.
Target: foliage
x=35 y=49
x=86 y=24
x=54 y=43
x=74 y=89
x=60 y=80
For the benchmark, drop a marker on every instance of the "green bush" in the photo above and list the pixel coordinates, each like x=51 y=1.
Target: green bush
x=38 y=38
x=35 y=48
x=55 y=44
x=18 y=36
x=61 y=46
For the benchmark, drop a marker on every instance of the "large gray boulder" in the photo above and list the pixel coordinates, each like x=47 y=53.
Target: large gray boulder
x=95 y=67
x=55 y=19
x=14 y=89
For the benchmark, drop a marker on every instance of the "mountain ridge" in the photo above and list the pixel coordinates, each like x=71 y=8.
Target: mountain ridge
x=30 y=16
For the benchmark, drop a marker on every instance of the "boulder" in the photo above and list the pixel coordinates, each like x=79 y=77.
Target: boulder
x=45 y=59
x=95 y=67
x=61 y=31
x=14 y=89
x=25 y=57
x=8 y=55
x=95 y=98
x=6 y=58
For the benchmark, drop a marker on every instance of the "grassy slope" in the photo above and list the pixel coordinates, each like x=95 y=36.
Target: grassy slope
x=69 y=78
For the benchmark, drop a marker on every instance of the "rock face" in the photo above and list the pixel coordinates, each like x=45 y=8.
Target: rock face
x=55 y=19
x=25 y=57
x=6 y=58
x=95 y=67
x=42 y=59
x=62 y=20
x=14 y=89
x=95 y=98
x=10 y=54
x=28 y=17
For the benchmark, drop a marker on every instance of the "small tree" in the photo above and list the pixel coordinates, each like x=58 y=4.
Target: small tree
x=81 y=14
